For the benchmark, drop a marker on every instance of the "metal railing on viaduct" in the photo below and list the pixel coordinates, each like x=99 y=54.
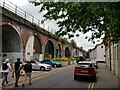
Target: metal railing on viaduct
x=20 y=12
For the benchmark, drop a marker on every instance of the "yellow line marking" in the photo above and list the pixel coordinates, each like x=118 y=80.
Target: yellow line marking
x=92 y=85
x=89 y=85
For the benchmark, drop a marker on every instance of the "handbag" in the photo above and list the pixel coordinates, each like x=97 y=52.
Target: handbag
x=22 y=72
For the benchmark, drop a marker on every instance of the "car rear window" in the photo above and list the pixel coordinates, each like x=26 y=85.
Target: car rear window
x=85 y=65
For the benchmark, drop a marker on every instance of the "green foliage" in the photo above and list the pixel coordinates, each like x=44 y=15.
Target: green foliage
x=61 y=59
x=84 y=17
x=73 y=43
x=73 y=59
x=64 y=40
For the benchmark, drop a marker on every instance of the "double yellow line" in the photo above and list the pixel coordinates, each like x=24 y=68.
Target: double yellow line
x=91 y=86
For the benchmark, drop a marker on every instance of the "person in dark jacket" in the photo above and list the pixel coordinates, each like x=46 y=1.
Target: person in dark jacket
x=28 y=71
x=17 y=67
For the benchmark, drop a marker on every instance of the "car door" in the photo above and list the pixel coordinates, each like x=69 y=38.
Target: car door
x=34 y=65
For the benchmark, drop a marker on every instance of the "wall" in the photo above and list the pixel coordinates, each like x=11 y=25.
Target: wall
x=98 y=53
x=29 y=48
x=13 y=56
x=115 y=58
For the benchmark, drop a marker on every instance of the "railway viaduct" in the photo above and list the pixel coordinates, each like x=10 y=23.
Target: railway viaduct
x=24 y=39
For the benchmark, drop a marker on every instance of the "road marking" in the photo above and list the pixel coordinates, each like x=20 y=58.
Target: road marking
x=91 y=85
x=42 y=76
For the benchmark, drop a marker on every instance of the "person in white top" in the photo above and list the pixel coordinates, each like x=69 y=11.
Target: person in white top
x=5 y=69
x=9 y=64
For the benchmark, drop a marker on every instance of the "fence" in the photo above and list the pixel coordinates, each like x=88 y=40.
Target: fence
x=20 y=12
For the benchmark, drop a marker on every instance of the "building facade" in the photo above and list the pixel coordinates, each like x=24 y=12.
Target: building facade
x=98 y=53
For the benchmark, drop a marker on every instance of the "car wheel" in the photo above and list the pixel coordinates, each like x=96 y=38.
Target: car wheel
x=75 y=77
x=42 y=68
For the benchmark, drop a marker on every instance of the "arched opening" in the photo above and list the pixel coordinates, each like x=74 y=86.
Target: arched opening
x=37 y=48
x=67 y=52
x=33 y=47
x=49 y=49
x=58 y=51
x=76 y=52
x=11 y=43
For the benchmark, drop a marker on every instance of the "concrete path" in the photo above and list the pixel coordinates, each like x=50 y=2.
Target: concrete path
x=106 y=78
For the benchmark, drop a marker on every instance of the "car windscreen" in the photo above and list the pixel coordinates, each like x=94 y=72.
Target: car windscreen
x=85 y=65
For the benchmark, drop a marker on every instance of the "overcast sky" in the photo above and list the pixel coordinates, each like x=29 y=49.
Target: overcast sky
x=31 y=9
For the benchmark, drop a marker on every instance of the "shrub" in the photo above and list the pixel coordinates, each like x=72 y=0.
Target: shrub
x=73 y=59
x=61 y=59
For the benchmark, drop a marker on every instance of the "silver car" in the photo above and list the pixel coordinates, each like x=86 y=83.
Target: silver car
x=40 y=66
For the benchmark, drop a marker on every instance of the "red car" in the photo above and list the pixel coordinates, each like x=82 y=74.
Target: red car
x=85 y=69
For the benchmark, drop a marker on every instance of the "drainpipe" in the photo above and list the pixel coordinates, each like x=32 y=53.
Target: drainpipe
x=118 y=58
x=110 y=52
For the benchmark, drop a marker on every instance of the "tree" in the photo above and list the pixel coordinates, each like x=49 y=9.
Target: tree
x=73 y=43
x=98 y=17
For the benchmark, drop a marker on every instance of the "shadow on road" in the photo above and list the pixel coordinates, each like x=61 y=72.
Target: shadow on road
x=86 y=79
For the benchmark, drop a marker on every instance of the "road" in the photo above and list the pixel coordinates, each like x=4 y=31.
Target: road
x=64 y=79
x=61 y=79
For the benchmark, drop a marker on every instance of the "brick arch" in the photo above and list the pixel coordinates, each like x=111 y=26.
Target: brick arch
x=37 y=44
x=49 y=48
x=58 y=50
x=67 y=52
x=25 y=37
x=39 y=36
x=75 y=53
x=44 y=39
x=16 y=30
x=12 y=41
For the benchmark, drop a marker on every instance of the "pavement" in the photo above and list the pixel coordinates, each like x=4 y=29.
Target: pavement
x=105 y=78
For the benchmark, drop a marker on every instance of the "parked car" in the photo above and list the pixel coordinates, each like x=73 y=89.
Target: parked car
x=52 y=63
x=85 y=69
x=79 y=58
x=40 y=66
x=95 y=64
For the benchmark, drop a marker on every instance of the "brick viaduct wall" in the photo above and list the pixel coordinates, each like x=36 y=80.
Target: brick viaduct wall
x=25 y=29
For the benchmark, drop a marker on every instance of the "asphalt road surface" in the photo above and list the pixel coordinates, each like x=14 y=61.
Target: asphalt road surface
x=64 y=79
x=61 y=79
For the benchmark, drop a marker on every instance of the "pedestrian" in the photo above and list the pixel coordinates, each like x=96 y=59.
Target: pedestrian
x=28 y=71
x=17 y=67
x=11 y=67
x=9 y=64
x=5 y=69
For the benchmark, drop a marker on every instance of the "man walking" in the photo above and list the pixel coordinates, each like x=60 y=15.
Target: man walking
x=28 y=70
x=17 y=66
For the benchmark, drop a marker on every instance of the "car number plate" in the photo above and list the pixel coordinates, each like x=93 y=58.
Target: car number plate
x=84 y=71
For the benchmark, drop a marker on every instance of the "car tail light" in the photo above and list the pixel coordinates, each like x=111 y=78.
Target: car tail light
x=92 y=71
x=77 y=69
